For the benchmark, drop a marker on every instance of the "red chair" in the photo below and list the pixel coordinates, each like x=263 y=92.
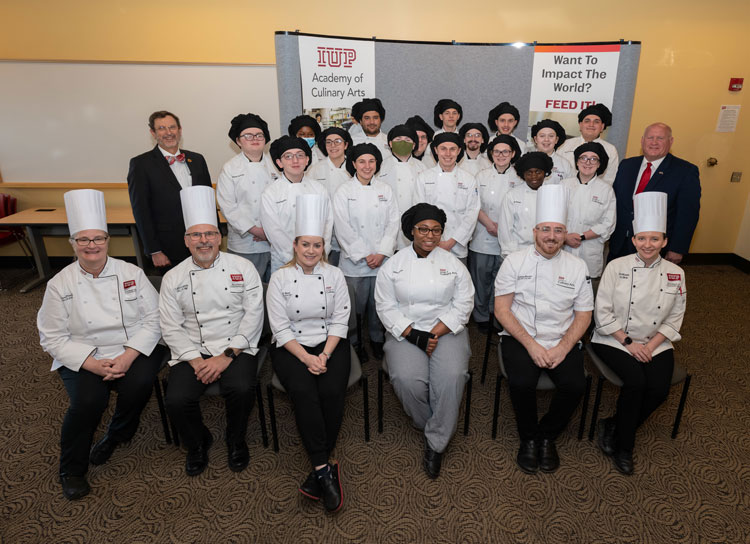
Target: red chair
x=11 y=234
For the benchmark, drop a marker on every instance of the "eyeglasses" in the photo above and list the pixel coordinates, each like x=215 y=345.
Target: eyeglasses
x=424 y=231
x=195 y=236
x=170 y=128
x=291 y=156
x=589 y=160
x=98 y=240
x=547 y=230
x=473 y=134
x=250 y=137
x=501 y=152
x=334 y=143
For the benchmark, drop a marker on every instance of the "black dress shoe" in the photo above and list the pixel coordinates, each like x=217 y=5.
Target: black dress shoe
x=361 y=354
x=528 y=457
x=623 y=461
x=102 y=450
x=74 y=487
x=377 y=350
x=330 y=486
x=431 y=461
x=548 y=458
x=197 y=458
x=237 y=456
x=310 y=488
x=605 y=436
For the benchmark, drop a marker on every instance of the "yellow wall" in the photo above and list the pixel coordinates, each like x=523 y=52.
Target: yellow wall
x=690 y=50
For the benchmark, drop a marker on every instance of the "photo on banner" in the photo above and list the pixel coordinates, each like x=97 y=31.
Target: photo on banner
x=336 y=74
x=569 y=78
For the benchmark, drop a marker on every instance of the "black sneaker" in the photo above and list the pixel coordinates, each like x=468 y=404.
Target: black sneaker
x=74 y=487
x=330 y=485
x=310 y=488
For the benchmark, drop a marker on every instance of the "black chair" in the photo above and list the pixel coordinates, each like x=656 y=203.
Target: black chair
x=544 y=383
x=679 y=374
x=494 y=327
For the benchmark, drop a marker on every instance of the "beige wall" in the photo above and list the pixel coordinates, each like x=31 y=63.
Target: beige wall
x=690 y=50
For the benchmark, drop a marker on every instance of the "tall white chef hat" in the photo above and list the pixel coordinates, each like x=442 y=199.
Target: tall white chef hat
x=85 y=210
x=552 y=204
x=312 y=211
x=198 y=206
x=650 y=212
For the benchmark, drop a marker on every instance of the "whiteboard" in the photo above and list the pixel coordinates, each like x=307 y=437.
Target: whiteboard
x=83 y=122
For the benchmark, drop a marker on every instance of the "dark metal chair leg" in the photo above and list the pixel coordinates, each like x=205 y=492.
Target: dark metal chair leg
x=261 y=414
x=584 y=408
x=380 y=399
x=175 y=435
x=366 y=405
x=272 y=413
x=488 y=343
x=162 y=411
x=496 y=408
x=595 y=412
x=681 y=406
x=467 y=409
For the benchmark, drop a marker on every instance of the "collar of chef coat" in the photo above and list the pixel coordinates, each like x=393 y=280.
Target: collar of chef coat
x=317 y=270
x=639 y=262
x=283 y=175
x=539 y=257
x=105 y=271
x=589 y=182
x=196 y=266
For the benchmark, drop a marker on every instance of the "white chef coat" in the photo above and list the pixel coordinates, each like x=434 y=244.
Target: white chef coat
x=427 y=159
x=401 y=176
x=492 y=189
x=422 y=291
x=641 y=300
x=317 y=155
x=180 y=169
x=82 y=315
x=592 y=206
x=308 y=307
x=561 y=168
x=241 y=182
x=474 y=166
x=381 y=141
x=570 y=145
x=515 y=228
x=278 y=216
x=367 y=221
x=547 y=292
x=331 y=177
x=207 y=310
x=457 y=195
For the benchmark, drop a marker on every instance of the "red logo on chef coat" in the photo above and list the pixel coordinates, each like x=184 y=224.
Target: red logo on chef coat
x=128 y=284
x=236 y=277
x=673 y=277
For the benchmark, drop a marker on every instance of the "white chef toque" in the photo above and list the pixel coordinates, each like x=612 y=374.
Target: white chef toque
x=312 y=212
x=552 y=204
x=85 y=210
x=198 y=206
x=650 y=212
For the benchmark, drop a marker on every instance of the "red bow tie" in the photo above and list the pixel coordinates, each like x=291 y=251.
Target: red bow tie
x=178 y=158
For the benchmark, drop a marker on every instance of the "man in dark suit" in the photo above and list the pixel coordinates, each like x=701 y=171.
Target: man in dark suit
x=657 y=170
x=155 y=180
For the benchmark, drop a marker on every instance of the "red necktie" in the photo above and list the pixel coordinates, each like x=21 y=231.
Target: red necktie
x=178 y=158
x=644 y=179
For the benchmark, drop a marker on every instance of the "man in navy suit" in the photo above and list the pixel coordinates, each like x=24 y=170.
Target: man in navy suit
x=657 y=170
x=155 y=180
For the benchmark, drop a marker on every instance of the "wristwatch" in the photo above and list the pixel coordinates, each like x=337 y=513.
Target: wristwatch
x=229 y=352
x=627 y=341
x=583 y=237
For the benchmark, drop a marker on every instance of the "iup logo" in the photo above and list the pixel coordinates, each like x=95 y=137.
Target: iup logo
x=336 y=57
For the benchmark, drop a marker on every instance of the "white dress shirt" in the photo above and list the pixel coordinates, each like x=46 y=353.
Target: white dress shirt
x=179 y=169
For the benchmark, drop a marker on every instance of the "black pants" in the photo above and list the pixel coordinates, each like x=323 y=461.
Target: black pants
x=523 y=375
x=318 y=399
x=645 y=388
x=236 y=385
x=89 y=396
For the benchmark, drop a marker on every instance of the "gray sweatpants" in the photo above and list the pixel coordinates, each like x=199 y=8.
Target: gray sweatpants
x=430 y=388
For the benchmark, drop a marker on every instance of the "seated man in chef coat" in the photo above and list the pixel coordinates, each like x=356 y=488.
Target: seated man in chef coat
x=544 y=301
x=211 y=308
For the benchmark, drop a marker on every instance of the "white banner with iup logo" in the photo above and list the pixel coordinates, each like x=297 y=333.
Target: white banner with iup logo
x=336 y=73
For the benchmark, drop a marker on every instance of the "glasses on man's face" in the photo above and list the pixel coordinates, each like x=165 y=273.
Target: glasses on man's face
x=170 y=128
x=473 y=134
x=98 y=240
x=250 y=137
x=424 y=231
x=196 y=236
x=334 y=142
x=555 y=230
x=589 y=160
x=501 y=152
x=291 y=156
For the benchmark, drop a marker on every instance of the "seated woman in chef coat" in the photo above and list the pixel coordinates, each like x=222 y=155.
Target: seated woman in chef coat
x=639 y=311
x=100 y=322
x=591 y=209
x=424 y=297
x=308 y=311
x=548 y=135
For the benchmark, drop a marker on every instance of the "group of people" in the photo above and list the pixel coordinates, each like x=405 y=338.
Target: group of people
x=426 y=228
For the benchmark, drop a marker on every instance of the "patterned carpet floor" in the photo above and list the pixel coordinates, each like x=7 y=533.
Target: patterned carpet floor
x=695 y=488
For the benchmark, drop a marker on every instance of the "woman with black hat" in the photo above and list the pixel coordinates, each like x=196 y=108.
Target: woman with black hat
x=503 y=119
x=307 y=128
x=424 y=296
x=591 y=208
x=592 y=121
x=241 y=182
x=548 y=135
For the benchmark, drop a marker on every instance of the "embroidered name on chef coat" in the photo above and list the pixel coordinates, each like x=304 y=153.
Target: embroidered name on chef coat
x=381 y=198
x=445 y=272
x=181 y=287
x=129 y=288
x=562 y=282
x=238 y=283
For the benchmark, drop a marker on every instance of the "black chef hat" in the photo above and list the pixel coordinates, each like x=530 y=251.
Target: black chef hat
x=420 y=212
x=508 y=140
x=417 y=123
x=597 y=148
x=303 y=121
x=500 y=109
x=478 y=126
x=535 y=159
x=445 y=104
x=554 y=125
x=403 y=130
x=321 y=139
x=247 y=120
x=363 y=149
x=368 y=104
x=600 y=110
x=285 y=143
x=447 y=137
